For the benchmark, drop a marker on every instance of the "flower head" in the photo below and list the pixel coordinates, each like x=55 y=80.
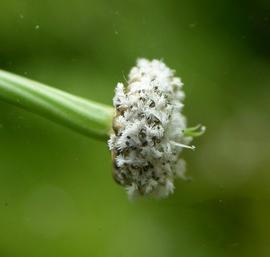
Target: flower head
x=149 y=130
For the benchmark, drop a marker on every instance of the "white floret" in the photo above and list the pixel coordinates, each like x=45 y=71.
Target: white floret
x=148 y=130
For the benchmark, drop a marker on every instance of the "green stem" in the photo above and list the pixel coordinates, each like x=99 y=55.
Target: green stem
x=84 y=116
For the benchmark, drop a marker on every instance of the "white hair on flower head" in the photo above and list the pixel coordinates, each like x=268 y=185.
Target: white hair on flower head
x=148 y=132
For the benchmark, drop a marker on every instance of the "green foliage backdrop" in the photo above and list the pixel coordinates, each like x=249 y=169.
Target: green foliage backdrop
x=57 y=197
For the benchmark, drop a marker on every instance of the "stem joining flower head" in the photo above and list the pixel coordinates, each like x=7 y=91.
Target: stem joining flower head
x=148 y=131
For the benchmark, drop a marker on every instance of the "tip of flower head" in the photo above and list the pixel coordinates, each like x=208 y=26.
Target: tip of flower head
x=192 y=147
x=147 y=142
x=196 y=131
x=203 y=129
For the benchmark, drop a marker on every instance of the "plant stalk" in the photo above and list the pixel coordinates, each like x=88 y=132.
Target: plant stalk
x=84 y=116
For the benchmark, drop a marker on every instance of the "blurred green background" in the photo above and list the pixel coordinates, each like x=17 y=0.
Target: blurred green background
x=57 y=197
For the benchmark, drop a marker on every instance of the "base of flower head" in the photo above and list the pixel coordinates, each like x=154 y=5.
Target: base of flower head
x=153 y=190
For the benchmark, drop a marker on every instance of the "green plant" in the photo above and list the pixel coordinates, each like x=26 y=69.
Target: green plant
x=147 y=128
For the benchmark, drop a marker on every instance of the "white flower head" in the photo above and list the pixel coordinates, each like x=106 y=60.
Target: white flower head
x=148 y=130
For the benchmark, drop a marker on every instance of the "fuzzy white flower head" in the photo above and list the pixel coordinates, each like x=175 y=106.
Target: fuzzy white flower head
x=149 y=127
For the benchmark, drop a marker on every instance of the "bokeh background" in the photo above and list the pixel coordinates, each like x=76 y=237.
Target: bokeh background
x=57 y=197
